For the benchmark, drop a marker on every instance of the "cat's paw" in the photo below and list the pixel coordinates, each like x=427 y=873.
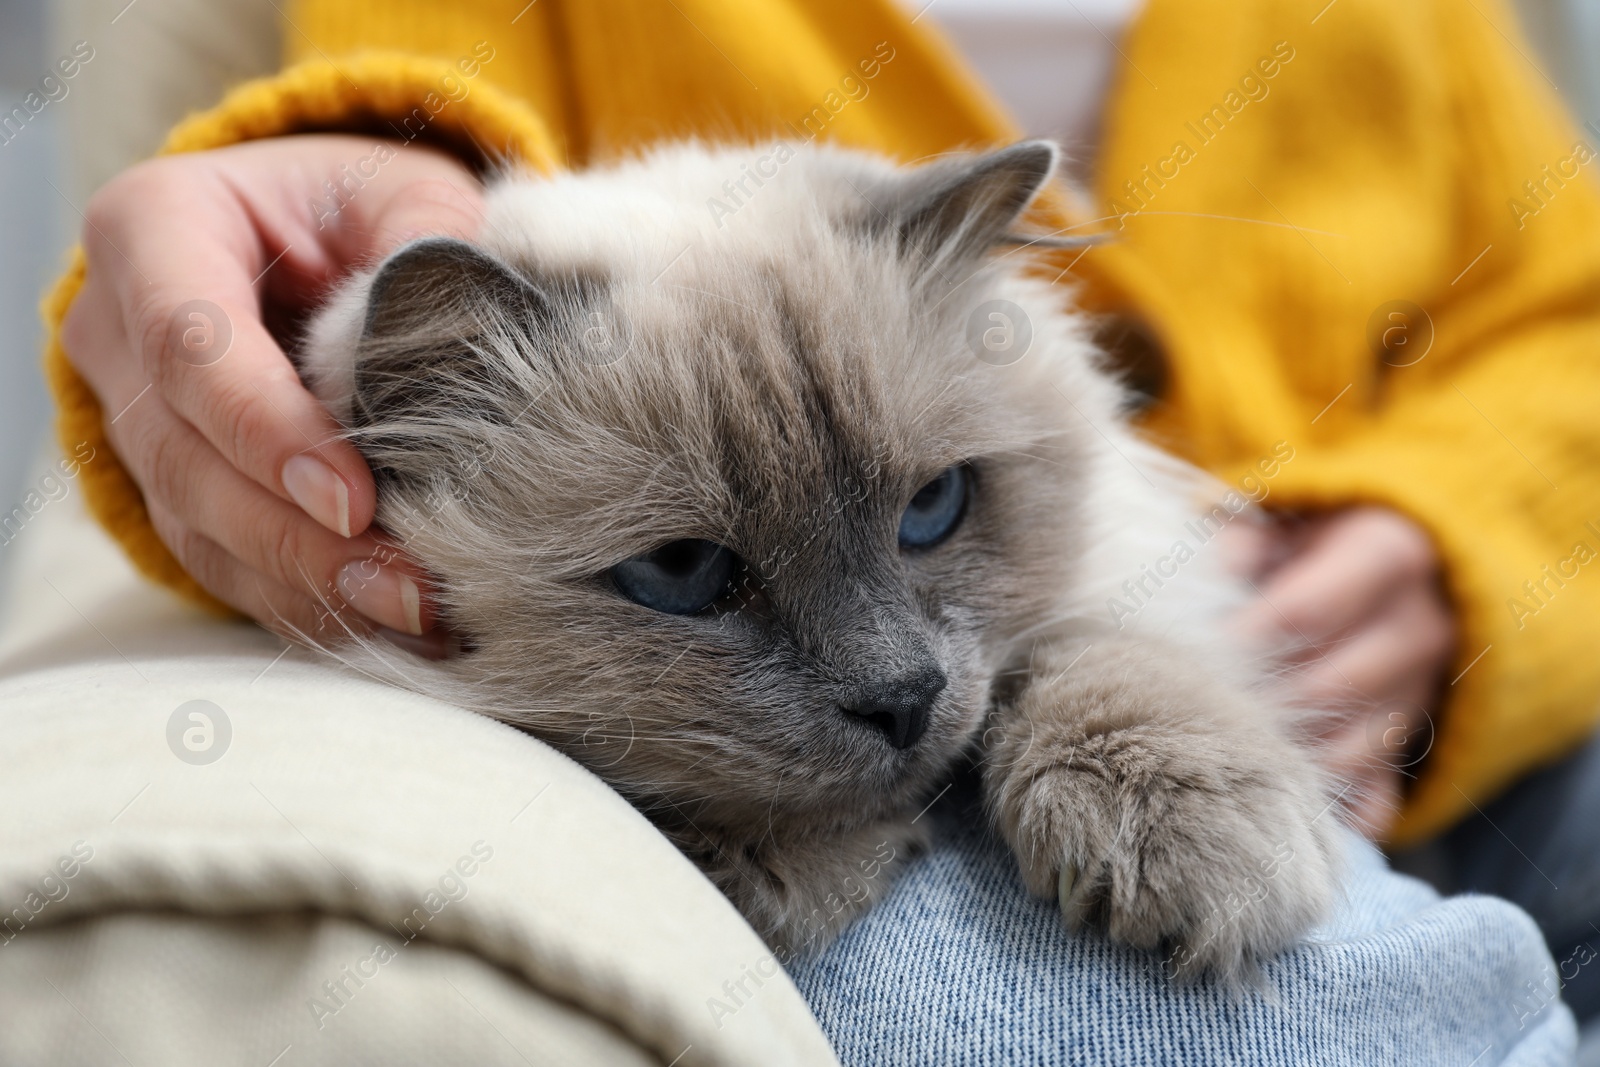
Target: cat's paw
x=1206 y=840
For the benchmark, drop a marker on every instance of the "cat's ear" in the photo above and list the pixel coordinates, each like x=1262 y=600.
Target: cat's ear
x=953 y=211
x=443 y=283
x=433 y=340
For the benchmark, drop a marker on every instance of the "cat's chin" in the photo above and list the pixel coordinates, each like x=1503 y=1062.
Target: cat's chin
x=800 y=873
x=800 y=892
x=900 y=780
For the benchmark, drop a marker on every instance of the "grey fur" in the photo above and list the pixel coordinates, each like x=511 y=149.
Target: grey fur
x=617 y=367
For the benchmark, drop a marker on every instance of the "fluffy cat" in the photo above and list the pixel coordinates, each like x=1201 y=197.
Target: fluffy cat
x=738 y=501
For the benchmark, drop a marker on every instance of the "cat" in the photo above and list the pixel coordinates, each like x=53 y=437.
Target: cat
x=773 y=501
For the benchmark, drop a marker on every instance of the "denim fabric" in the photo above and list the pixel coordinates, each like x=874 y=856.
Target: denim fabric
x=1539 y=847
x=957 y=965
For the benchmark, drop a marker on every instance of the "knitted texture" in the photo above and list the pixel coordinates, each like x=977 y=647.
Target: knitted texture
x=1280 y=177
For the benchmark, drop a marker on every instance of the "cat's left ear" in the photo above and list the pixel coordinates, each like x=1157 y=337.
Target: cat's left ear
x=424 y=349
x=954 y=211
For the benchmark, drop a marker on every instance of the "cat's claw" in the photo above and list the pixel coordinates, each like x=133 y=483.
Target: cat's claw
x=1109 y=807
x=1074 y=910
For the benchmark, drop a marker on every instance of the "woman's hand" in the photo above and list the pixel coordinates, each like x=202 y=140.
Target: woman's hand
x=1356 y=594
x=197 y=265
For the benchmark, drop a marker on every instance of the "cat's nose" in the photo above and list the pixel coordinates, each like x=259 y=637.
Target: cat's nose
x=900 y=707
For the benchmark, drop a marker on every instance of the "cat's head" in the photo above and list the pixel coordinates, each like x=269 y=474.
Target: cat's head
x=745 y=473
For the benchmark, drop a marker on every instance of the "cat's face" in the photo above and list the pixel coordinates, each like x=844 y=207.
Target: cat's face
x=754 y=536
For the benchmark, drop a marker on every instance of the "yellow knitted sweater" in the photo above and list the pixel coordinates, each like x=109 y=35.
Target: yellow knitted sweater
x=1396 y=152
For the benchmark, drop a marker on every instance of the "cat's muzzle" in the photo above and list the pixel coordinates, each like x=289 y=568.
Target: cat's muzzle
x=900 y=707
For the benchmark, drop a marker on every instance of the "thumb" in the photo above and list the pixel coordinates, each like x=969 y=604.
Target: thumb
x=420 y=192
x=428 y=207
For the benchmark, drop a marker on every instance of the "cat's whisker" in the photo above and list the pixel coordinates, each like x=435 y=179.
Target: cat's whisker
x=716 y=296
x=1194 y=215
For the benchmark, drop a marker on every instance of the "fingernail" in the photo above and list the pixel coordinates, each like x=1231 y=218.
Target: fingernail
x=383 y=594
x=319 y=491
x=435 y=644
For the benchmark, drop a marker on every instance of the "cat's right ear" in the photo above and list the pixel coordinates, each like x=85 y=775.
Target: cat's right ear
x=955 y=210
x=948 y=214
x=440 y=317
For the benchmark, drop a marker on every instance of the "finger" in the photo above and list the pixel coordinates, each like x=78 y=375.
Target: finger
x=356 y=200
x=1380 y=738
x=191 y=317
x=287 y=612
x=1346 y=571
x=180 y=474
x=178 y=469
x=1369 y=791
x=428 y=204
x=348 y=202
x=1374 y=805
x=1394 y=656
x=1249 y=548
x=92 y=337
x=1366 y=786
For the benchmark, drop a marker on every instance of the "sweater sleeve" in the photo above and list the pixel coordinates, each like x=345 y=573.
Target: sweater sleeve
x=1491 y=440
x=1384 y=152
x=1502 y=467
x=388 y=94
x=1285 y=191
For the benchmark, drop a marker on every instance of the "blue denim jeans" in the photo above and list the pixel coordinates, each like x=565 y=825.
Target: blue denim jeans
x=957 y=965
x=1539 y=847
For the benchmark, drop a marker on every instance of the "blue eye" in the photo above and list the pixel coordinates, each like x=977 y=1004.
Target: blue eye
x=936 y=510
x=679 y=578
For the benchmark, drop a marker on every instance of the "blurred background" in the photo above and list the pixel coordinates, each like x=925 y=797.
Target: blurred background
x=34 y=229
x=38 y=218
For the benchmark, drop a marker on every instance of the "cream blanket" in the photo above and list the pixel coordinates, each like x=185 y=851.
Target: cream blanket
x=219 y=850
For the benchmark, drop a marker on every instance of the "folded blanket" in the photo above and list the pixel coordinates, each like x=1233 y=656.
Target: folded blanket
x=221 y=850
